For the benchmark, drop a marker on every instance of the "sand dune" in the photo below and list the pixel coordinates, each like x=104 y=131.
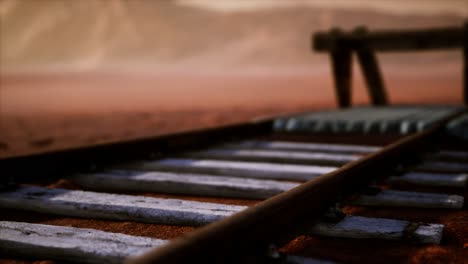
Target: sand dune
x=102 y=34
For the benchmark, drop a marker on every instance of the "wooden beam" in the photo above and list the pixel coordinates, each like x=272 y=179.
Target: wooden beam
x=87 y=204
x=341 y=44
x=380 y=228
x=255 y=170
x=279 y=156
x=341 y=58
x=370 y=68
x=182 y=183
x=65 y=243
x=396 y=40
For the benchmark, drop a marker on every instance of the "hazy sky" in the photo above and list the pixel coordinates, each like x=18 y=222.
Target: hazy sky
x=459 y=7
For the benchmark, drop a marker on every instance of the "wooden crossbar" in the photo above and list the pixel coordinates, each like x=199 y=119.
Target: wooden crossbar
x=340 y=45
x=395 y=40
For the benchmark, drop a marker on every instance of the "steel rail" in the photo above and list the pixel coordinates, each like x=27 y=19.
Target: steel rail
x=58 y=163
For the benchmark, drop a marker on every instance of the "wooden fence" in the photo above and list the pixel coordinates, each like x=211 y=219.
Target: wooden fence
x=341 y=45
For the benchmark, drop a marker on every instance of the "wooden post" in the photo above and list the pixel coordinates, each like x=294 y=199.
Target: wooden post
x=465 y=63
x=341 y=65
x=370 y=69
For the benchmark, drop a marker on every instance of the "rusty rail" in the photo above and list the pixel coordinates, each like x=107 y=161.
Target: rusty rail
x=58 y=163
x=277 y=220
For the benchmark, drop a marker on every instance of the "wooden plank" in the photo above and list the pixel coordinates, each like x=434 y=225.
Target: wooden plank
x=396 y=40
x=452 y=154
x=431 y=179
x=86 y=245
x=305 y=146
x=81 y=245
x=115 y=206
x=279 y=156
x=443 y=166
x=183 y=183
x=379 y=228
x=235 y=168
x=410 y=199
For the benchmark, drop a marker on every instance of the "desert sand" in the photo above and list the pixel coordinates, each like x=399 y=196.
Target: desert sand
x=44 y=112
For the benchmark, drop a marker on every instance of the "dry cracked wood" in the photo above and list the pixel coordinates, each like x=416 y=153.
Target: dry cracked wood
x=81 y=245
x=261 y=170
x=115 y=206
x=183 y=183
x=380 y=228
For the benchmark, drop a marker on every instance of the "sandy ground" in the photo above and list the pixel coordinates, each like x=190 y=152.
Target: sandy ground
x=48 y=111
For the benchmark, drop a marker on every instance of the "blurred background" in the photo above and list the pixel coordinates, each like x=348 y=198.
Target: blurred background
x=75 y=73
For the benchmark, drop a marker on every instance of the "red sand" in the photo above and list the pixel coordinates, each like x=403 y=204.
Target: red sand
x=42 y=112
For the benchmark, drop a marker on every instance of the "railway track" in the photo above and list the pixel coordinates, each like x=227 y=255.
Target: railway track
x=327 y=187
